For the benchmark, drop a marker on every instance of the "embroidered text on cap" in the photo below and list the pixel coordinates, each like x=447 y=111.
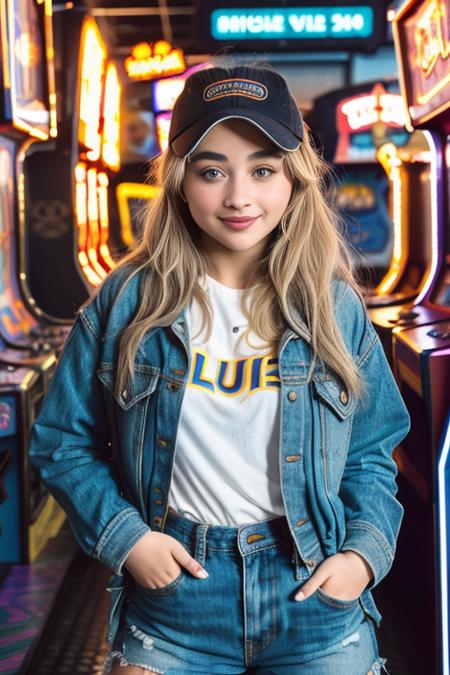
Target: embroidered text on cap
x=249 y=88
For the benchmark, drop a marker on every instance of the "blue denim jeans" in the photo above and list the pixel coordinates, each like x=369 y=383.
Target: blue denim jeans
x=243 y=617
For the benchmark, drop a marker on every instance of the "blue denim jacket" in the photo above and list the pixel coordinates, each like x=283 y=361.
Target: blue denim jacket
x=107 y=455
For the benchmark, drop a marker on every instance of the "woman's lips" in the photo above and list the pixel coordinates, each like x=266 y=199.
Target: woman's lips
x=238 y=223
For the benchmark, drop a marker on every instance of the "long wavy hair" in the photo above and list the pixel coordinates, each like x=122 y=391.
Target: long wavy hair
x=303 y=255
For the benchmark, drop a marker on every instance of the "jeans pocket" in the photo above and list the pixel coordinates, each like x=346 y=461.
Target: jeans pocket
x=331 y=601
x=168 y=589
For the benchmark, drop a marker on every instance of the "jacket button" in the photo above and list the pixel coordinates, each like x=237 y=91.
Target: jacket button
x=310 y=563
x=292 y=396
x=343 y=397
x=158 y=520
x=301 y=522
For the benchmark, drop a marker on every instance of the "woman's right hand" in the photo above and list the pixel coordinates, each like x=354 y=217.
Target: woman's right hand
x=156 y=560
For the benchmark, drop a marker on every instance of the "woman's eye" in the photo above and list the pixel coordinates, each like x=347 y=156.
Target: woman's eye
x=263 y=172
x=211 y=174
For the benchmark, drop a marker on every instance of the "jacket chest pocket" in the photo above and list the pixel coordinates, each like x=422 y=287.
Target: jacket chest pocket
x=143 y=384
x=336 y=407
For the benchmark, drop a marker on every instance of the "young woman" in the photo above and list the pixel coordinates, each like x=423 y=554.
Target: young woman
x=221 y=425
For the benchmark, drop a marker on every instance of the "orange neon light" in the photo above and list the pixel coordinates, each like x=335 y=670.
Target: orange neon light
x=93 y=223
x=81 y=216
x=149 y=61
x=92 y=66
x=103 y=212
x=162 y=125
x=111 y=117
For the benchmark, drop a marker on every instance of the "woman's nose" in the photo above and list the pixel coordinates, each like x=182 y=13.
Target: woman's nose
x=237 y=196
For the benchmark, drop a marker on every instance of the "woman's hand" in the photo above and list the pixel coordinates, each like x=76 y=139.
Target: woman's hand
x=156 y=560
x=343 y=576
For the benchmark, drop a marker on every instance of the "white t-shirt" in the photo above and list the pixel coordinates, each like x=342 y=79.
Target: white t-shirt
x=226 y=469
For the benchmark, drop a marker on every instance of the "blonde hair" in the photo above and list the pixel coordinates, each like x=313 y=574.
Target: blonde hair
x=304 y=253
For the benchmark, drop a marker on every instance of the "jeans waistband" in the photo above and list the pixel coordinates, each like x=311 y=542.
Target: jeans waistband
x=245 y=538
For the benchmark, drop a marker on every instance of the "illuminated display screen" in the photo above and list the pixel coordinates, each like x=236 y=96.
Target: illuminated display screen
x=292 y=23
x=166 y=91
x=28 y=89
x=422 y=38
x=361 y=196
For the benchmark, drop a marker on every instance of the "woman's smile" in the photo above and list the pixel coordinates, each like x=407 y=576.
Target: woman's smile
x=236 y=223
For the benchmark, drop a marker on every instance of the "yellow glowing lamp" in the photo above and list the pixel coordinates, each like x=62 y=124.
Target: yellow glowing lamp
x=388 y=156
x=150 y=61
x=111 y=119
x=125 y=192
x=91 y=70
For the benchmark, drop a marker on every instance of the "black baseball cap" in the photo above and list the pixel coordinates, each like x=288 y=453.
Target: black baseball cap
x=259 y=95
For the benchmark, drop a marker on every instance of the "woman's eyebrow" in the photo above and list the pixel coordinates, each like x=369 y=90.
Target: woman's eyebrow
x=217 y=157
x=265 y=154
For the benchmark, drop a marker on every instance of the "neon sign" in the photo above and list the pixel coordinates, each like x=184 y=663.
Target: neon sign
x=379 y=106
x=92 y=67
x=374 y=112
x=111 y=116
x=149 y=61
x=293 y=23
x=422 y=40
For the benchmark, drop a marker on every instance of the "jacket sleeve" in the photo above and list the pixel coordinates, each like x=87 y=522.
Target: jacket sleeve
x=69 y=445
x=373 y=514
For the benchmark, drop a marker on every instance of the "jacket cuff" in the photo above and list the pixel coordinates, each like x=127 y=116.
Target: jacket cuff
x=119 y=537
x=369 y=542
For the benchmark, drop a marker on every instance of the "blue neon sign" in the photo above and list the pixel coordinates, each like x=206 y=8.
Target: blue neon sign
x=294 y=23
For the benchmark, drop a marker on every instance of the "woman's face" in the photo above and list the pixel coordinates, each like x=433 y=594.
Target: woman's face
x=237 y=189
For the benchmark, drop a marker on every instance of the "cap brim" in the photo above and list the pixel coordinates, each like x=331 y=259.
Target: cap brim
x=280 y=135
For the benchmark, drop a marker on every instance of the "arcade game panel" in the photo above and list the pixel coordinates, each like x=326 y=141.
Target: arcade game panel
x=350 y=124
x=29 y=516
x=421 y=350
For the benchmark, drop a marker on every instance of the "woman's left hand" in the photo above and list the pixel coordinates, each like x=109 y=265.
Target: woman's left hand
x=343 y=575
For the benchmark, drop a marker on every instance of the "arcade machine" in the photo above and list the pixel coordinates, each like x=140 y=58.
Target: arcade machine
x=408 y=169
x=68 y=215
x=403 y=296
x=421 y=350
x=350 y=124
x=29 y=516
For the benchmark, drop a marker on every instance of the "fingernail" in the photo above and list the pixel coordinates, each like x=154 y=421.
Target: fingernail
x=300 y=596
x=202 y=574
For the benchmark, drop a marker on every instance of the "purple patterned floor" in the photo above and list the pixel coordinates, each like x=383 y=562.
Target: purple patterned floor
x=27 y=595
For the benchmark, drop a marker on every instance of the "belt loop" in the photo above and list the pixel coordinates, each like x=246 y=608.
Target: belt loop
x=301 y=571
x=200 y=543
